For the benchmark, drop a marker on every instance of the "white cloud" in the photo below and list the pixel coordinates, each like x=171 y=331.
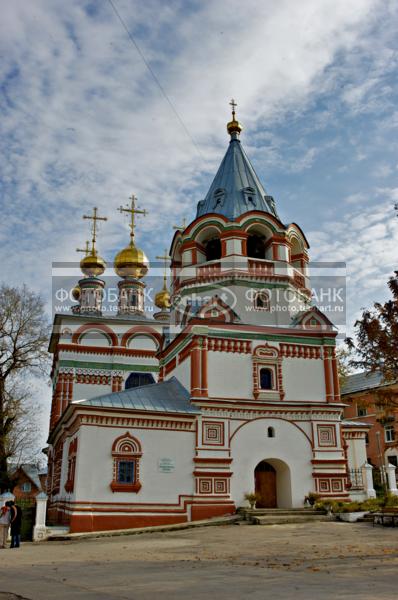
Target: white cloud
x=84 y=124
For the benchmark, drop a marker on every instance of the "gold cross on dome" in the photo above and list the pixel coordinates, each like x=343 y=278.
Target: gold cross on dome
x=85 y=250
x=166 y=259
x=94 y=218
x=184 y=224
x=234 y=105
x=133 y=211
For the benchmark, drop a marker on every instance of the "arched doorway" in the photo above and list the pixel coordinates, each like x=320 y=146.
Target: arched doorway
x=265 y=485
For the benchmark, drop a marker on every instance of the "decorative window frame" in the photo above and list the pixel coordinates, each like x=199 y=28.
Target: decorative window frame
x=265 y=295
x=126 y=448
x=219 y=196
x=72 y=453
x=389 y=434
x=267 y=357
x=250 y=197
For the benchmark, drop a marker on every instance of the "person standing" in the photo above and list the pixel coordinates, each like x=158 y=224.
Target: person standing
x=5 y=518
x=16 y=522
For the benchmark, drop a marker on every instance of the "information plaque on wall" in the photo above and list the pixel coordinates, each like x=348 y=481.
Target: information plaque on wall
x=166 y=465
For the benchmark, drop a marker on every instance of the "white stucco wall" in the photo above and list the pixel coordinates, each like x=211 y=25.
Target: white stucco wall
x=230 y=375
x=142 y=342
x=303 y=379
x=94 y=473
x=94 y=338
x=82 y=391
x=183 y=373
x=289 y=452
x=356 y=453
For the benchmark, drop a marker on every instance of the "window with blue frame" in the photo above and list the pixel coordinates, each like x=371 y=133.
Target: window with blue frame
x=126 y=471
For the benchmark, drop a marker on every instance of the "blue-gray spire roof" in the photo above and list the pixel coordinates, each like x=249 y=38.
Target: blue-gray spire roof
x=236 y=188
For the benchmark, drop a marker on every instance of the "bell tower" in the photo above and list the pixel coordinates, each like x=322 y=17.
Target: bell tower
x=238 y=249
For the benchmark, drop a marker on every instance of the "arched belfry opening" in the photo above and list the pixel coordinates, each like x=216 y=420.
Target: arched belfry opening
x=213 y=249
x=256 y=246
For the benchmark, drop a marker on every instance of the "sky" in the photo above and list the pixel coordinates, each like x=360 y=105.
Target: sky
x=90 y=115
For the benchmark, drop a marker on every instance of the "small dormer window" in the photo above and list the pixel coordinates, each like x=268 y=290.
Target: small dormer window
x=249 y=195
x=219 y=197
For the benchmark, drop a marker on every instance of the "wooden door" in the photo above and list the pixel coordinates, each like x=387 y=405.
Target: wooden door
x=265 y=485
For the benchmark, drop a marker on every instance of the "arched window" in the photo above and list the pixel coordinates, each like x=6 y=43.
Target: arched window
x=267 y=373
x=256 y=246
x=266 y=379
x=213 y=249
x=271 y=432
x=137 y=379
x=261 y=301
x=126 y=453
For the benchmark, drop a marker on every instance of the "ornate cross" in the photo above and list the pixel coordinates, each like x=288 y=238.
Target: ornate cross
x=166 y=259
x=94 y=218
x=85 y=250
x=234 y=105
x=133 y=211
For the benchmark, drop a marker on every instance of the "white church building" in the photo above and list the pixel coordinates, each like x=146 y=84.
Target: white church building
x=232 y=387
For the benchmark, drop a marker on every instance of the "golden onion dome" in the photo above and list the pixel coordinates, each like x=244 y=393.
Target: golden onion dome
x=131 y=262
x=234 y=127
x=76 y=292
x=162 y=299
x=92 y=264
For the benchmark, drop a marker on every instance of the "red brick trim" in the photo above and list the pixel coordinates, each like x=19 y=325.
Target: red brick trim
x=212 y=460
x=80 y=348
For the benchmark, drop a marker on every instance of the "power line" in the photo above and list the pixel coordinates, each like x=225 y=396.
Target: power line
x=148 y=66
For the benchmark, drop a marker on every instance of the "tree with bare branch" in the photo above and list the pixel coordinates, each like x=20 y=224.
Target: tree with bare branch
x=24 y=332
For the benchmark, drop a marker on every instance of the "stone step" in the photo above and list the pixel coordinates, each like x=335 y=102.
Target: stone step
x=285 y=519
x=55 y=532
x=283 y=511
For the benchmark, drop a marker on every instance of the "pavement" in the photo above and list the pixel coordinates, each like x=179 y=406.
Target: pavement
x=325 y=561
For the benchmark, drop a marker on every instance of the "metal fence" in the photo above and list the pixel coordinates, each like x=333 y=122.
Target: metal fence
x=356 y=479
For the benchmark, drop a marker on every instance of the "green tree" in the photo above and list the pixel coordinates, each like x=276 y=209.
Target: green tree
x=24 y=332
x=343 y=356
x=376 y=347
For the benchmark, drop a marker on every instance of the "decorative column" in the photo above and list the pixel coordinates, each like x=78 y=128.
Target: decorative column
x=195 y=369
x=367 y=475
x=328 y=381
x=203 y=368
x=40 y=529
x=336 y=385
x=392 y=482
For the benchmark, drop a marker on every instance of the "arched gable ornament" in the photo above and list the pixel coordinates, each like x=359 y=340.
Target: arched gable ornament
x=267 y=357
